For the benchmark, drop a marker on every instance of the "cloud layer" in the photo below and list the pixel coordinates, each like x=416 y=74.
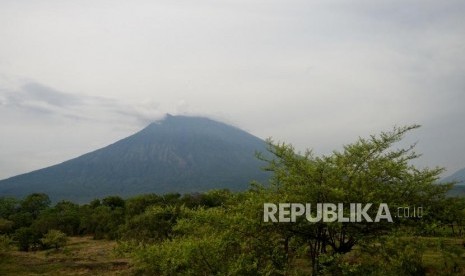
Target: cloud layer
x=318 y=74
x=39 y=100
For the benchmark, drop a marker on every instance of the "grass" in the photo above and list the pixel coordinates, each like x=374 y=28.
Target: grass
x=449 y=259
x=81 y=256
x=437 y=256
x=86 y=256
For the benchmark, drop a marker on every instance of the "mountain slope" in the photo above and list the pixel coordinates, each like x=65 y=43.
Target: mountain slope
x=459 y=188
x=457 y=176
x=178 y=154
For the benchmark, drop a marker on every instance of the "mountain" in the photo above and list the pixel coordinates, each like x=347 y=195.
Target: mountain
x=177 y=154
x=458 y=176
x=459 y=188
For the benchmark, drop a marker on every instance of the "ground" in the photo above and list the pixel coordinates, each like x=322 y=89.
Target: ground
x=81 y=256
x=86 y=256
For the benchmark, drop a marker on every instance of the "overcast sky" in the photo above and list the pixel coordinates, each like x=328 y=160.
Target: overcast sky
x=78 y=75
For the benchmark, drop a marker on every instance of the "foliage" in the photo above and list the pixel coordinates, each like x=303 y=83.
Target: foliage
x=392 y=255
x=5 y=243
x=27 y=239
x=155 y=224
x=367 y=171
x=5 y=226
x=103 y=222
x=64 y=216
x=113 y=202
x=138 y=204
x=54 y=239
x=34 y=203
x=8 y=206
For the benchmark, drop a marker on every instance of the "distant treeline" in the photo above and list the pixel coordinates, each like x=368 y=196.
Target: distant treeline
x=112 y=217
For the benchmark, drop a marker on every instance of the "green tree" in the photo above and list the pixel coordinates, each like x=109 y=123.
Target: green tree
x=68 y=217
x=27 y=238
x=222 y=240
x=102 y=222
x=367 y=171
x=5 y=226
x=54 y=239
x=171 y=199
x=64 y=216
x=215 y=198
x=155 y=224
x=5 y=243
x=113 y=202
x=21 y=219
x=35 y=203
x=8 y=207
x=138 y=204
x=95 y=203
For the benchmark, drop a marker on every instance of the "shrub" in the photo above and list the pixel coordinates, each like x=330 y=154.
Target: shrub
x=54 y=239
x=27 y=238
x=5 y=242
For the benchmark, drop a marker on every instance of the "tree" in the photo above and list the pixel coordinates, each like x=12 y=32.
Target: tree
x=113 y=202
x=5 y=226
x=54 y=238
x=21 y=219
x=155 y=224
x=215 y=198
x=64 y=216
x=138 y=204
x=34 y=203
x=68 y=217
x=5 y=242
x=26 y=238
x=95 y=203
x=8 y=206
x=367 y=171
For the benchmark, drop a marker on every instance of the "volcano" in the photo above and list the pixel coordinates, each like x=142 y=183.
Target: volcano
x=177 y=154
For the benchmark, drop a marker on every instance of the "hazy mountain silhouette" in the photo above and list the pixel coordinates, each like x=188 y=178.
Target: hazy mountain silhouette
x=177 y=154
x=459 y=177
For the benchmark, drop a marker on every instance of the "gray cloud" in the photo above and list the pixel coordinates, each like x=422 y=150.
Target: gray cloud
x=317 y=74
x=40 y=100
x=39 y=92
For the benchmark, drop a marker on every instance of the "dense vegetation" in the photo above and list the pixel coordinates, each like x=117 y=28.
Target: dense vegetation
x=224 y=233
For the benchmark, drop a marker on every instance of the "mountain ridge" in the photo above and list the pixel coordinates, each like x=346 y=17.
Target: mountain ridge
x=459 y=178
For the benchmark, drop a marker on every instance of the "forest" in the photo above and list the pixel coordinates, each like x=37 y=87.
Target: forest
x=220 y=232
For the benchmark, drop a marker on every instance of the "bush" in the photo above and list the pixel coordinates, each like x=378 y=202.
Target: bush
x=54 y=239
x=27 y=238
x=5 y=242
x=389 y=255
x=5 y=226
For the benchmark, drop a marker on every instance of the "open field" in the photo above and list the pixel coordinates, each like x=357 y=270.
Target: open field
x=81 y=256
x=86 y=256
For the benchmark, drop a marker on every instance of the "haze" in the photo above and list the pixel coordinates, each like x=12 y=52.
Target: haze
x=78 y=75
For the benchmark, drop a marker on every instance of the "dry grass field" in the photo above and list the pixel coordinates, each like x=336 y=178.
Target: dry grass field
x=81 y=256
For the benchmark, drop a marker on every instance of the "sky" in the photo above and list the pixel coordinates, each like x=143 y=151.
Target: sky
x=79 y=75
